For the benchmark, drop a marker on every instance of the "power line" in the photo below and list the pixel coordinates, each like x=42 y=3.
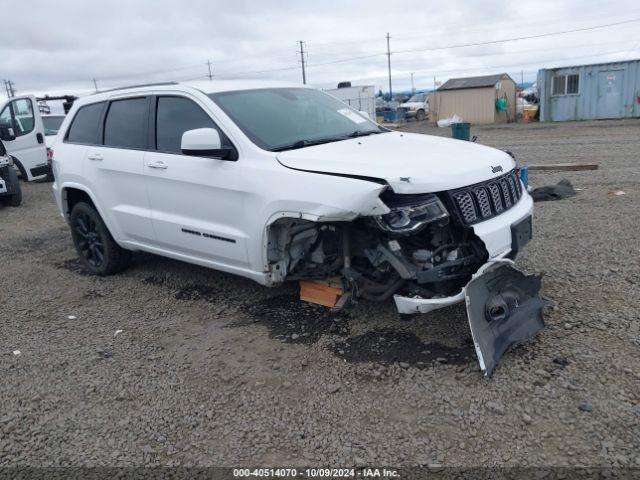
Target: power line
x=504 y=67
x=528 y=37
x=446 y=47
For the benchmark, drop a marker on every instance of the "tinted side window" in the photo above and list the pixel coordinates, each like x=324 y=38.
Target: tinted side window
x=3 y=151
x=24 y=118
x=126 y=123
x=18 y=115
x=84 y=128
x=176 y=115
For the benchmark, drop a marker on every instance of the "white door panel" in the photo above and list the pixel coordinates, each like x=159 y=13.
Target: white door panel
x=21 y=114
x=194 y=207
x=117 y=179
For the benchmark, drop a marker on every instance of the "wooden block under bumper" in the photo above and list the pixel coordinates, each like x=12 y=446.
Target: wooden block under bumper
x=320 y=293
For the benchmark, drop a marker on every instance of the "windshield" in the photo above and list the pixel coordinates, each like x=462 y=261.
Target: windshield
x=285 y=118
x=418 y=97
x=52 y=124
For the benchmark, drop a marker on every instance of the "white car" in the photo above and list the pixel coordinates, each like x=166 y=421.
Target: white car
x=416 y=107
x=22 y=132
x=277 y=182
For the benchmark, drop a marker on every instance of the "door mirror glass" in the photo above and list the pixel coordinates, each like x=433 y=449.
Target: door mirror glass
x=205 y=142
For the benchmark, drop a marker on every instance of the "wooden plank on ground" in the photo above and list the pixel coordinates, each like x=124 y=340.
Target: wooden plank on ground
x=564 y=166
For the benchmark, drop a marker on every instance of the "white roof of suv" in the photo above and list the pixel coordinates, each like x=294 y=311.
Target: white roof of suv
x=204 y=86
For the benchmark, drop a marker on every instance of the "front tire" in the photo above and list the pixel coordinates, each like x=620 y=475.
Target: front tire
x=420 y=115
x=97 y=249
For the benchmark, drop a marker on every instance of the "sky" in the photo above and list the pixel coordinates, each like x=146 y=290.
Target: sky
x=61 y=47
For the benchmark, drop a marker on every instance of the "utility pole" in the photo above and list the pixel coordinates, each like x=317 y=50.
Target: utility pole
x=413 y=89
x=95 y=84
x=302 y=60
x=8 y=86
x=209 y=65
x=389 y=65
x=522 y=78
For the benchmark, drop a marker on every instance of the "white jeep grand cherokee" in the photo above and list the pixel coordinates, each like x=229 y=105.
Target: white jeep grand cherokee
x=278 y=182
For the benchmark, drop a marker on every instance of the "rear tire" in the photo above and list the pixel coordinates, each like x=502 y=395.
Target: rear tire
x=97 y=249
x=15 y=199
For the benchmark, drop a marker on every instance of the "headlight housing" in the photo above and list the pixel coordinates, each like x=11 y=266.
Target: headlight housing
x=410 y=213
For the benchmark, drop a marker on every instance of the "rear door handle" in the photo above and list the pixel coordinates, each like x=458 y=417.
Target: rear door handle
x=157 y=164
x=95 y=156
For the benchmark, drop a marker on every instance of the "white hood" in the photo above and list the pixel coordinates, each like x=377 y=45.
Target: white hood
x=409 y=162
x=412 y=104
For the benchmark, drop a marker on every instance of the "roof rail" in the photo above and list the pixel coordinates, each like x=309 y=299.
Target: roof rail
x=157 y=84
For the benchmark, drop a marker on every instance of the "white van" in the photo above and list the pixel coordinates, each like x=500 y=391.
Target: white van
x=23 y=134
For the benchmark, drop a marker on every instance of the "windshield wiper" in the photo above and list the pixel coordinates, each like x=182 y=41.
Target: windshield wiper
x=306 y=143
x=357 y=133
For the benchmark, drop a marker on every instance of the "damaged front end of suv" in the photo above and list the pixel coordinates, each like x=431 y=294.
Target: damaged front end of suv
x=426 y=252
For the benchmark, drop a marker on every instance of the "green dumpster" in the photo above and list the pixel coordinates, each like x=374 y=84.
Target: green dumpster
x=460 y=130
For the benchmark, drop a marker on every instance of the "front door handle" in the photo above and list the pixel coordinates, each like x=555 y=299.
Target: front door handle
x=95 y=156
x=157 y=164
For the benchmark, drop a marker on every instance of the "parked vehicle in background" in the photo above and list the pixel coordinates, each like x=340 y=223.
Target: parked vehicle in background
x=416 y=107
x=10 y=192
x=51 y=126
x=279 y=183
x=22 y=131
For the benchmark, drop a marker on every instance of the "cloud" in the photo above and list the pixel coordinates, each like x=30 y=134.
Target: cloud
x=71 y=42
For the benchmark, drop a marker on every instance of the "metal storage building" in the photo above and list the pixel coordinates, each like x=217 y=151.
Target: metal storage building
x=588 y=92
x=474 y=99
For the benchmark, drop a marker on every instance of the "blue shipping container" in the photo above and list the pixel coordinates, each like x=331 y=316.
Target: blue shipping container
x=589 y=92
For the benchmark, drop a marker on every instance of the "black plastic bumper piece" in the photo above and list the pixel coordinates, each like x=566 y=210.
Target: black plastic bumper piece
x=504 y=309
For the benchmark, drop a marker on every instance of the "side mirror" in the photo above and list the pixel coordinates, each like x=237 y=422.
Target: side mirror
x=205 y=142
x=364 y=114
x=6 y=133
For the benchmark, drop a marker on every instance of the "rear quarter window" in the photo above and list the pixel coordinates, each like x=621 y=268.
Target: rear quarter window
x=85 y=125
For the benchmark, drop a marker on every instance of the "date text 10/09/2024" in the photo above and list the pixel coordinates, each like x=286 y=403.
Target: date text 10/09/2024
x=315 y=473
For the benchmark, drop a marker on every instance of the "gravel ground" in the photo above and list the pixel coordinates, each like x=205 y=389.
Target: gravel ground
x=210 y=369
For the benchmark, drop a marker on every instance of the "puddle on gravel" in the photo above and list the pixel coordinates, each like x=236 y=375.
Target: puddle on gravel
x=74 y=265
x=390 y=346
x=294 y=321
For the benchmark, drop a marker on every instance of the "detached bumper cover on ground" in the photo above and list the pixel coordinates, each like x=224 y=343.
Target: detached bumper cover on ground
x=503 y=308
